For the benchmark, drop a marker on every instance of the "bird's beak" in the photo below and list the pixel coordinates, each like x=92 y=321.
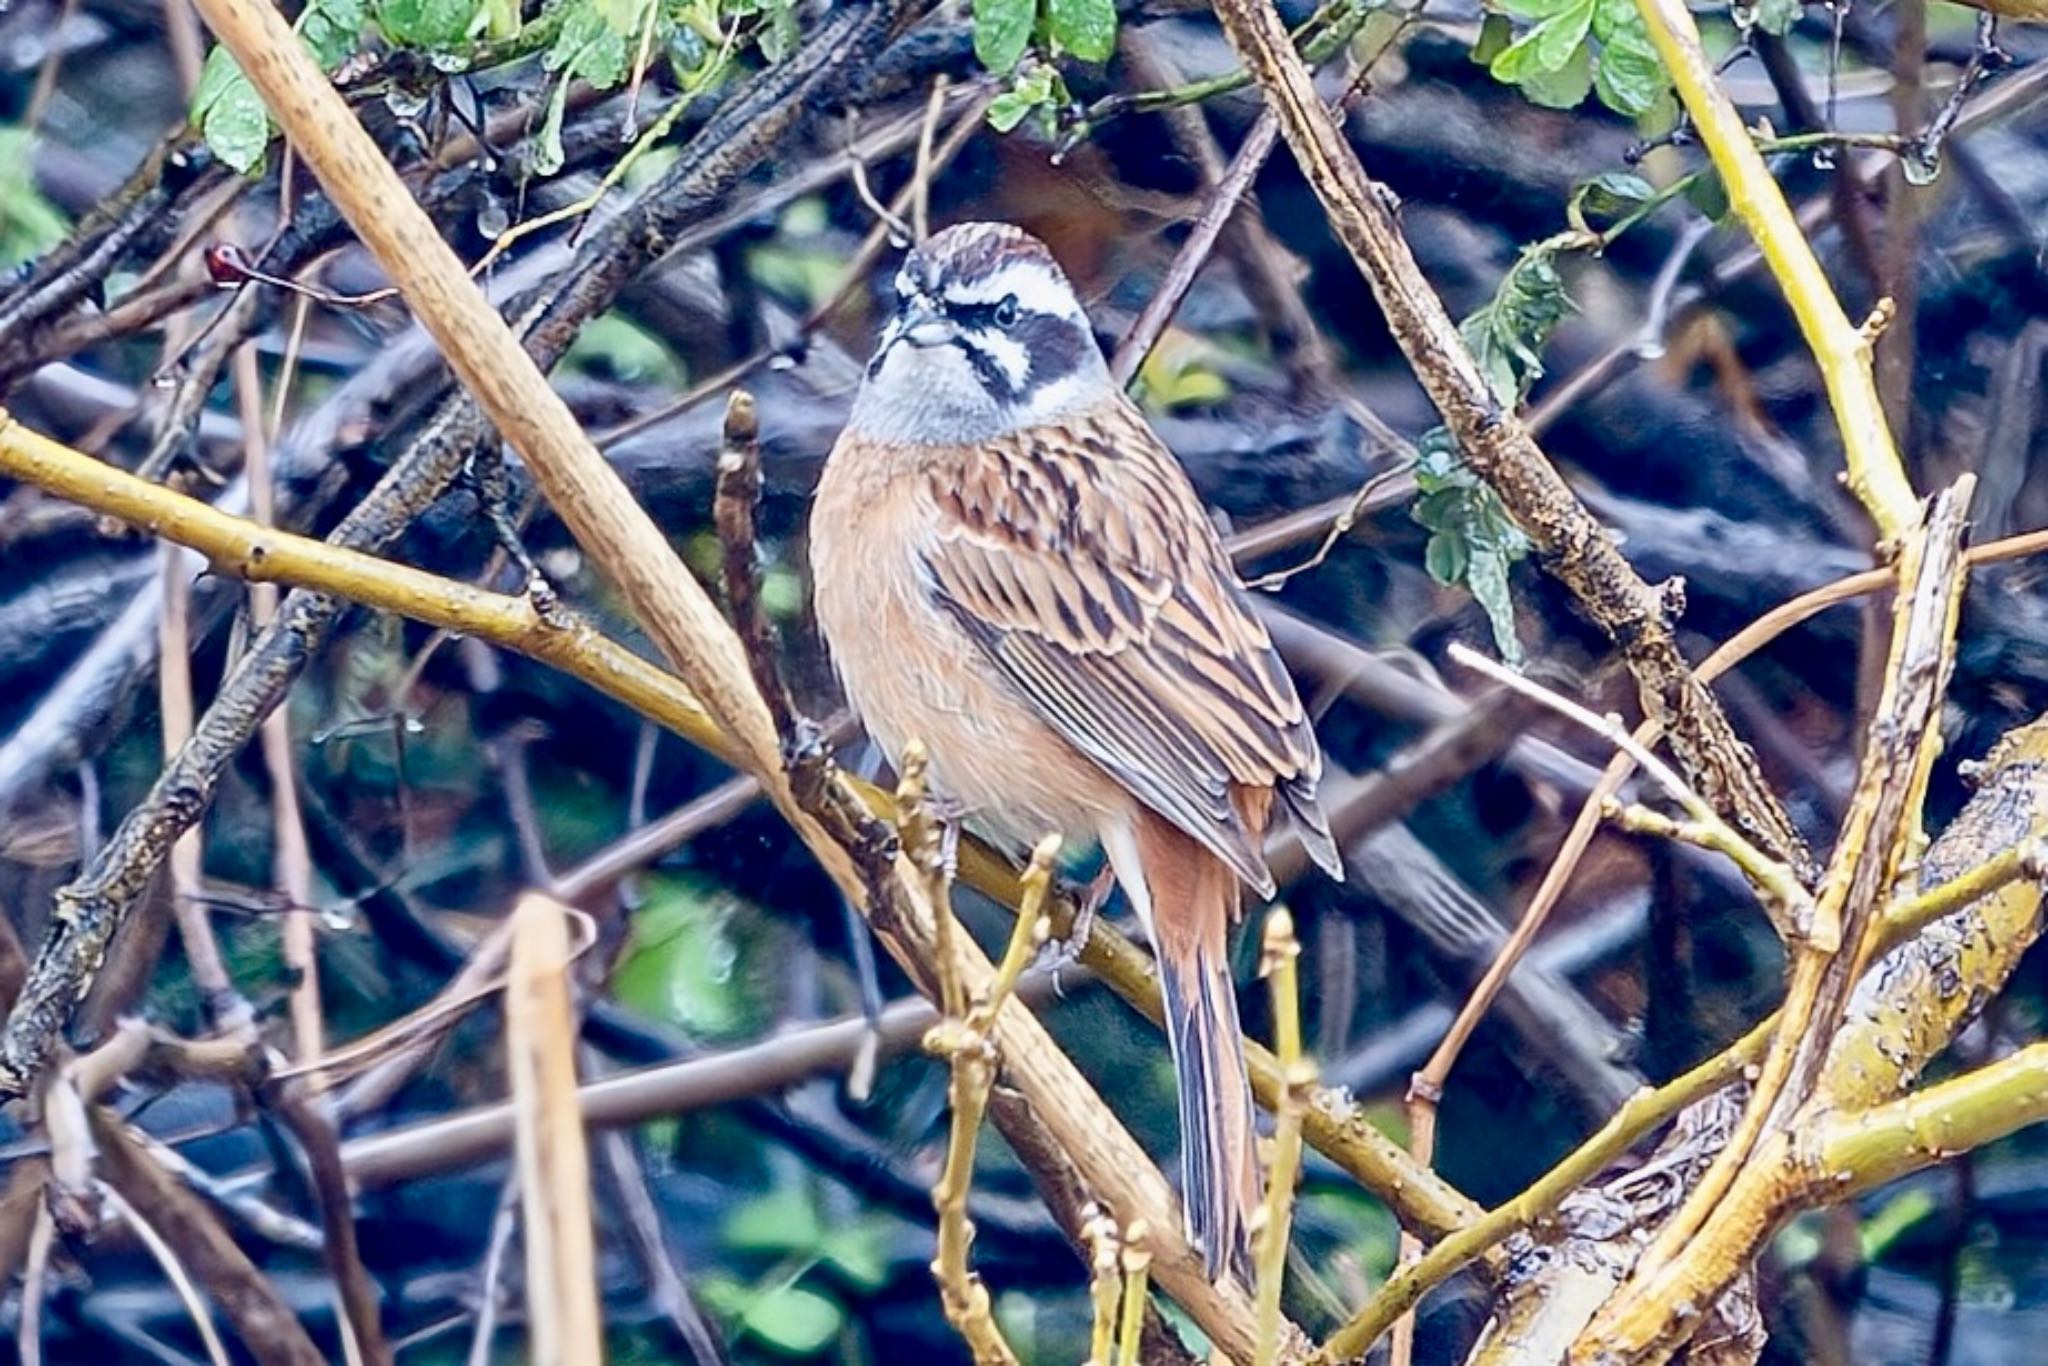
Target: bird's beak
x=921 y=322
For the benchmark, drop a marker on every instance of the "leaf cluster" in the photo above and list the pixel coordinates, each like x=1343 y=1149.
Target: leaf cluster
x=29 y=223
x=1571 y=48
x=1473 y=541
x=600 y=42
x=1005 y=30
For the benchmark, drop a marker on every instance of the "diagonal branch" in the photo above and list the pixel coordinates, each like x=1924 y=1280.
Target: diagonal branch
x=1495 y=443
x=624 y=543
x=235 y=546
x=1649 y=1317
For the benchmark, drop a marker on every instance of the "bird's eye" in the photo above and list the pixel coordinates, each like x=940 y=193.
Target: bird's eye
x=1006 y=312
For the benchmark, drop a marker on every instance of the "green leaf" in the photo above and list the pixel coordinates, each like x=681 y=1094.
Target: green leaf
x=1027 y=93
x=1496 y=32
x=219 y=72
x=501 y=19
x=1630 y=76
x=1496 y=362
x=1606 y=199
x=1487 y=577
x=680 y=964
x=1002 y=30
x=590 y=47
x=794 y=1321
x=779 y=35
x=332 y=29
x=1539 y=9
x=547 y=144
x=349 y=15
x=230 y=114
x=780 y=1222
x=1446 y=558
x=1558 y=38
x=1474 y=541
x=854 y=1250
x=29 y=224
x=437 y=25
x=1708 y=194
x=1566 y=87
x=1086 y=28
x=1547 y=47
x=1009 y=109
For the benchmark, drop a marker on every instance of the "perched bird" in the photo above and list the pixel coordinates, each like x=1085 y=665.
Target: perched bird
x=1010 y=567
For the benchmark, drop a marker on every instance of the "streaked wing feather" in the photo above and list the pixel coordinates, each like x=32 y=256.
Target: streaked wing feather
x=1080 y=560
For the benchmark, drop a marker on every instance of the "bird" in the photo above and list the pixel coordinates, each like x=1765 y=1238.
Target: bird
x=1011 y=569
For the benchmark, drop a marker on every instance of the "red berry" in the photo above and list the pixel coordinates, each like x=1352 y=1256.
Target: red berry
x=226 y=264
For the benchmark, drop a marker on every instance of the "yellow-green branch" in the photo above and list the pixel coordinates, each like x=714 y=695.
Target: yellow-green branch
x=238 y=547
x=1876 y=475
x=1278 y=958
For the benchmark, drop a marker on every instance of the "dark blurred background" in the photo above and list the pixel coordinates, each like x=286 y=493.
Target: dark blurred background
x=440 y=778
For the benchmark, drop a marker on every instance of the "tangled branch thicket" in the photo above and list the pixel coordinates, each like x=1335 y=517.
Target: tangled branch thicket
x=1621 y=339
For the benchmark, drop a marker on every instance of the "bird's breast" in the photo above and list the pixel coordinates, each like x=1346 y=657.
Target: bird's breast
x=911 y=673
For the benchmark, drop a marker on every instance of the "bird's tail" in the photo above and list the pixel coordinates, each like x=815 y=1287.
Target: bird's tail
x=1219 y=1167
x=1194 y=899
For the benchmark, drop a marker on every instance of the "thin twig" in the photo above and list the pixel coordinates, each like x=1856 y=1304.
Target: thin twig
x=28 y=1336
x=964 y=1041
x=554 y=1168
x=1194 y=252
x=921 y=177
x=291 y=858
x=1783 y=893
x=1279 y=954
x=858 y=274
x=362 y=1330
x=174 y=1272
x=491 y=1276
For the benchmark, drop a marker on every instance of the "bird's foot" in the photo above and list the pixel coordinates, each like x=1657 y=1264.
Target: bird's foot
x=1066 y=952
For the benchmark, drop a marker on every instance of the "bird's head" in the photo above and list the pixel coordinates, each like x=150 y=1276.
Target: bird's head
x=987 y=338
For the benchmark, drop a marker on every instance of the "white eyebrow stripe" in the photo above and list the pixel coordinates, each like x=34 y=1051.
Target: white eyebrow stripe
x=1038 y=290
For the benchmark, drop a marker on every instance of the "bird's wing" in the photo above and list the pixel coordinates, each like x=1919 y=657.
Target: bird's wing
x=1079 y=558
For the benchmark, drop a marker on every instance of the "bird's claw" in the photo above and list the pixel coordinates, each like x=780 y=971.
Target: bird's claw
x=1066 y=952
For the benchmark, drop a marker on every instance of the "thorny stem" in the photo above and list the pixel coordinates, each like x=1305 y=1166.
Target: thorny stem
x=1648 y=1109
x=1648 y=1314
x=1643 y=1112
